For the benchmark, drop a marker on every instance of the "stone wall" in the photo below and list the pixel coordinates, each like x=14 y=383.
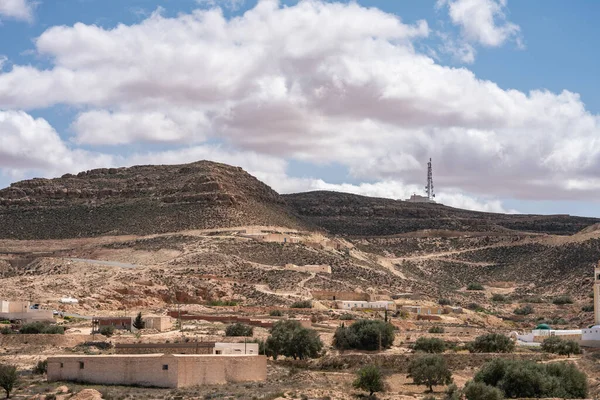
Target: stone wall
x=165 y=348
x=46 y=340
x=157 y=369
x=226 y=319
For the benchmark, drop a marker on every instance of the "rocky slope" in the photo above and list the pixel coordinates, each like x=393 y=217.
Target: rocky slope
x=139 y=200
x=349 y=214
x=149 y=199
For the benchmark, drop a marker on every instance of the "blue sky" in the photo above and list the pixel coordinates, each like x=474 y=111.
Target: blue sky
x=313 y=95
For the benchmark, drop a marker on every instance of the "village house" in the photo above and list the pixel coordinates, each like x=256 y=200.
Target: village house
x=158 y=370
x=191 y=347
x=123 y=323
x=23 y=311
x=423 y=310
x=366 y=305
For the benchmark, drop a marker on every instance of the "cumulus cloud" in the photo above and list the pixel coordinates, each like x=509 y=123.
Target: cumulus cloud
x=30 y=145
x=319 y=82
x=482 y=21
x=17 y=9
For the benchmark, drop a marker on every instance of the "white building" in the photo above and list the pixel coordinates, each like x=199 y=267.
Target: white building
x=236 y=348
x=22 y=310
x=589 y=337
x=364 y=305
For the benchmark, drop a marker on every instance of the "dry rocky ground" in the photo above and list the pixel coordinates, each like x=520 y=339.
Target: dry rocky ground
x=156 y=238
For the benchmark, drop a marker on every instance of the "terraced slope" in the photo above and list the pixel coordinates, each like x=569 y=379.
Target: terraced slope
x=353 y=215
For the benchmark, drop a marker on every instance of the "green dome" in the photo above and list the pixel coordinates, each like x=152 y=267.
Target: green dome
x=543 y=326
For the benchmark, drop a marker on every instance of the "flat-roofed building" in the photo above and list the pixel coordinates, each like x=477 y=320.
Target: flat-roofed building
x=124 y=323
x=366 y=305
x=158 y=370
x=22 y=311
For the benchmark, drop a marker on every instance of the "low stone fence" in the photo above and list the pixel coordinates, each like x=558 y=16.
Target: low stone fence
x=227 y=319
x=399 y=362
x=45 y=340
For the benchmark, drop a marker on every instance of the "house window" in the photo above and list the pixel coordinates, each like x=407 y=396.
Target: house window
x=80 y=364
x=218 y=351
x=62 y=365
x=165 y=367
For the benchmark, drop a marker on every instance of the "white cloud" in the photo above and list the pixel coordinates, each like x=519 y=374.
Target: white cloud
x=319 y=82
x=230 y=4
x=103 y=127
x=32 y=145
x=482 y=21
x=17 y=9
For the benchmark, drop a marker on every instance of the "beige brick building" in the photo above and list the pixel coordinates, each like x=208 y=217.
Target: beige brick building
x=21 y=310
x=159 y=370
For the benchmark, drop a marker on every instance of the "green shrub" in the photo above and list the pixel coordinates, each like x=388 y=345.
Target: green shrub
x=302 y=304
x=436 y=329
x=222 y=303
x=346 y=317
x=41 y=327
x=444 y=302
x=107 y=331
x=364 y=335
x=475 y=286
x=491 y=343
x=429 y=345
x=500 y=298
x=481 y=391
x=452 y=393
x=588 y=308
x=6 y=330
x=525 y=310
x=41 y=367
x=369 y=379
x=276 y=313
x=527 y=379
x=239 y=329
x=475 y=307
x=288 y=338
x=429 y=370
x=561 y=300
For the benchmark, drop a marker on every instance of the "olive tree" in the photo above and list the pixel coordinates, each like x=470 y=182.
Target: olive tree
x=429 y=370
x=290 y=339
x=369 y=379
x=8 y=378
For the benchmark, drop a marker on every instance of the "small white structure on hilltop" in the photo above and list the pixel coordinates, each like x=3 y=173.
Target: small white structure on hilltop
x=589 y=337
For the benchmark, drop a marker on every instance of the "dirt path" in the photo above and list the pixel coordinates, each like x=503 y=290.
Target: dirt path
x=101 y=262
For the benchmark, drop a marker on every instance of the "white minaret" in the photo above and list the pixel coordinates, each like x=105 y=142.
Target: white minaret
x=597 y=294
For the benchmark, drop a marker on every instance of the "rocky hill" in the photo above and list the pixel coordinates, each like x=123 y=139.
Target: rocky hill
x=353 y=215
x=150 y=199
x=139 y=200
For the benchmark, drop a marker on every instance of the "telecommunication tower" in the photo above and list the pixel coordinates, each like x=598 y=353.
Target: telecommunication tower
x=429 y=187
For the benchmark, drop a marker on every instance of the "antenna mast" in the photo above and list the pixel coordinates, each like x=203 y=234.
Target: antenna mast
x=429 y=187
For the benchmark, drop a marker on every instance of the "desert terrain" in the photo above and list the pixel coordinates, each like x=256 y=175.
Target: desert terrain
x=186 y=240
